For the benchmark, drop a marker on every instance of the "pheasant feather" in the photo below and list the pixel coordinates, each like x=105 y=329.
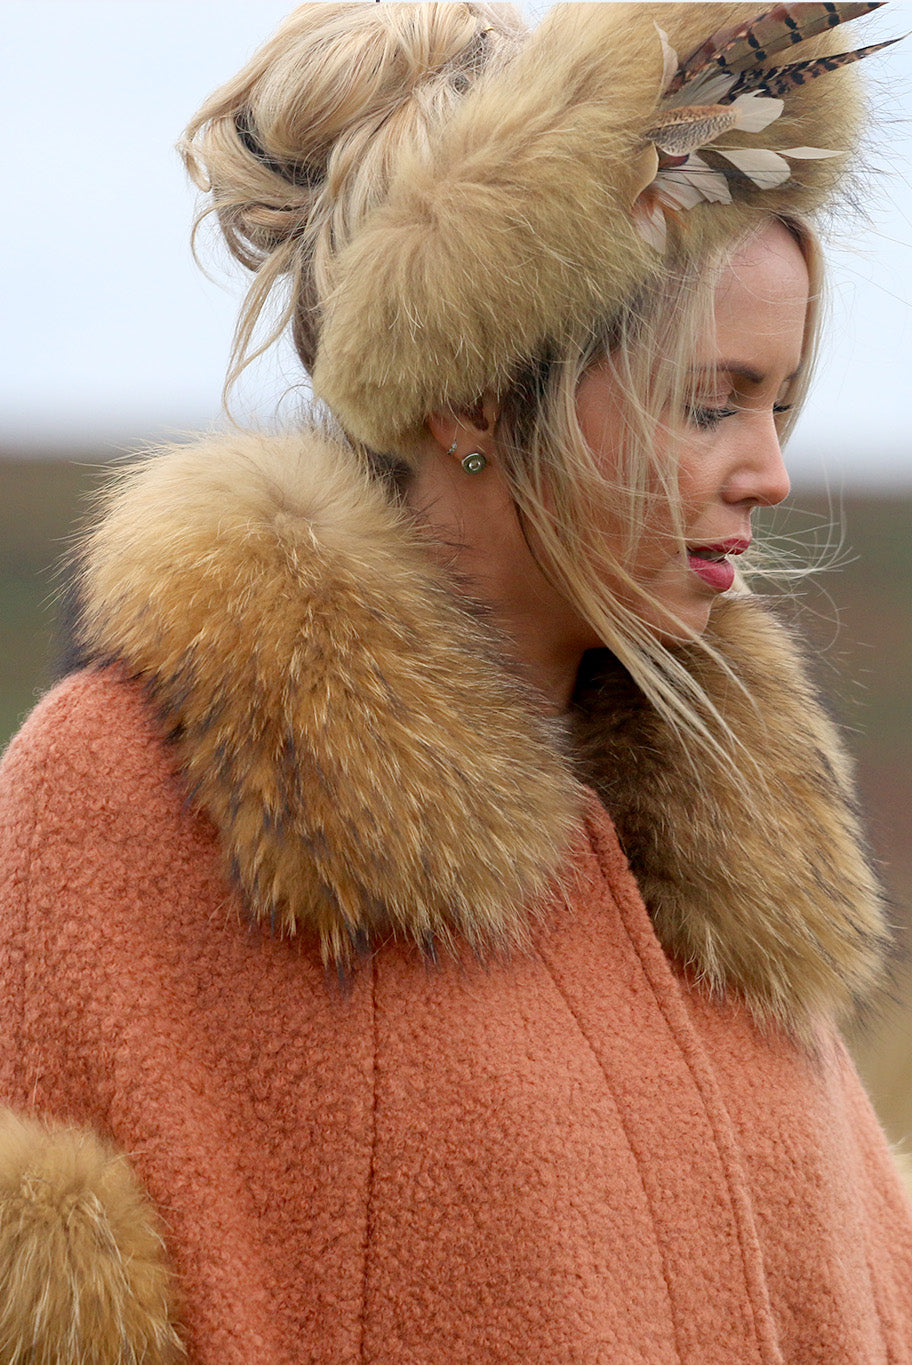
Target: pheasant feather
x=753 y=42
x=684 y=130
x=728 y=74
x=780 y=80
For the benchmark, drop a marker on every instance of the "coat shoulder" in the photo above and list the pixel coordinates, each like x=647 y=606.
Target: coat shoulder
x=94 y=732
x=92 y=810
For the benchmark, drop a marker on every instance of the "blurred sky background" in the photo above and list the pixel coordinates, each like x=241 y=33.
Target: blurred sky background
x=112 y=333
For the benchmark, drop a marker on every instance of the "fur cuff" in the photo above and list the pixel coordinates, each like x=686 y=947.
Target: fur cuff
x=82 y=1266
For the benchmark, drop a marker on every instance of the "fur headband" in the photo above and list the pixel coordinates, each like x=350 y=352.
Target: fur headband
x=544 y=202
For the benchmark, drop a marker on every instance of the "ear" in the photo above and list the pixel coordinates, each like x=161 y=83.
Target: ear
x=466 y=429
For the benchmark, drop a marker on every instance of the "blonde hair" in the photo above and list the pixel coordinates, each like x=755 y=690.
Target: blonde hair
x=564 y=495
x=299 y=148
x=301 y=145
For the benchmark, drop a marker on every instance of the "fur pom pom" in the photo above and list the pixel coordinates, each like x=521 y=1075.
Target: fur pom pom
x=83 y=1275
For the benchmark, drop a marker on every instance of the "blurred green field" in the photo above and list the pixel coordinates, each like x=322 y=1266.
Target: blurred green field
x=857 y=616
x=41 y=502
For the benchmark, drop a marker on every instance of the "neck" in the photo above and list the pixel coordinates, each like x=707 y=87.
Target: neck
x=475 y=532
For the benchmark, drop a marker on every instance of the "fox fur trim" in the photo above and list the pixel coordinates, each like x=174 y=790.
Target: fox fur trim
x=373 y=768
x=514 y=231
x=82 y=1266
x=772 y=894
x=338 y=715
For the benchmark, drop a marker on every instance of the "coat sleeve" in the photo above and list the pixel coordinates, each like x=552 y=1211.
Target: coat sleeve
x=83 y=1273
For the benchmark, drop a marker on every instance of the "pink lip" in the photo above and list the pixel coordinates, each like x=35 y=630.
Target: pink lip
x=718 y=574
x=726 y=547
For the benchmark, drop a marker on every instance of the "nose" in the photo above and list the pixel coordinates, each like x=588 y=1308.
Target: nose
x=759 y=476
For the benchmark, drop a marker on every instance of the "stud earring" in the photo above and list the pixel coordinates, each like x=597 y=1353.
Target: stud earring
x=474 y=462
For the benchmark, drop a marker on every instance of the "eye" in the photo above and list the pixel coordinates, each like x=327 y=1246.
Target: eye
x=707 y=419
x=782 y=407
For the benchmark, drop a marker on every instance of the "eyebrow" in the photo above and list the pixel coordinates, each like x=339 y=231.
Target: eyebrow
x=741 y=370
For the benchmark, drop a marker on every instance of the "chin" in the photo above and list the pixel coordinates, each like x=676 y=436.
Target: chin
x=684 y=623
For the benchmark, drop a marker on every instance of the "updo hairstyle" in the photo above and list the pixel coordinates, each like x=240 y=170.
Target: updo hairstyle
x=301 y=145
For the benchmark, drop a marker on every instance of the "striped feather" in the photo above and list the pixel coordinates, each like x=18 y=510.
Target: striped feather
x=756 y=40
x=780 y=80
x=684 y=130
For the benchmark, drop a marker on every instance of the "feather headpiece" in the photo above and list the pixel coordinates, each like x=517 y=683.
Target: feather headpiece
x=543 y=203
x=727 y=84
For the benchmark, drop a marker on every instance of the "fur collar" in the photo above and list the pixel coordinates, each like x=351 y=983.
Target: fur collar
x=373 y=768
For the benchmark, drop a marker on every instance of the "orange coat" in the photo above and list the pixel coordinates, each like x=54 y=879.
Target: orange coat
x=509 y=1115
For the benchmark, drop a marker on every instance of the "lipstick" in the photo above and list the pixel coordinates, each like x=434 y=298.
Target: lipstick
x=712 y=565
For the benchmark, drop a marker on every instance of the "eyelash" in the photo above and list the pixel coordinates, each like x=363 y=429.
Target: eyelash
x=707 y=419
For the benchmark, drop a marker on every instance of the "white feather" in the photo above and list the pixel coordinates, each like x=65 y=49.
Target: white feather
x=756 y=111
x=650 y=224
x=766 y=169
x=691 y=184
x=807 y=153
x=669 y=58
x=707 y=88
x=712 y=184
x=676 y=189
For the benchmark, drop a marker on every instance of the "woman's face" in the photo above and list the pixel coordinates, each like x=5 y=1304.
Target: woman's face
x=730 y=459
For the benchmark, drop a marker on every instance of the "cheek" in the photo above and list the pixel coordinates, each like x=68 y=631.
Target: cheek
x=694 y=477
x=599 y=411
x=701 y=468
x=602 y=415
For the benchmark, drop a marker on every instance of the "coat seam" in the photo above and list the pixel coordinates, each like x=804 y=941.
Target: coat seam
x=371 y=1165
x=735 y=1213
x=633 y=1153
x=880 y=1307
x=34 y=845
x=708 y=1111
x=883 y=1324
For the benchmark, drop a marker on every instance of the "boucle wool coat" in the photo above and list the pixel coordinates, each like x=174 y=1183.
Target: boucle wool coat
x=347 y=1023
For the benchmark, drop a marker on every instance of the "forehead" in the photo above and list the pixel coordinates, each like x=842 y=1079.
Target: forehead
x=761 y=301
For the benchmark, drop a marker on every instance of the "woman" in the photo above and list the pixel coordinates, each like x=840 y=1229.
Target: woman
x=443 y=883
